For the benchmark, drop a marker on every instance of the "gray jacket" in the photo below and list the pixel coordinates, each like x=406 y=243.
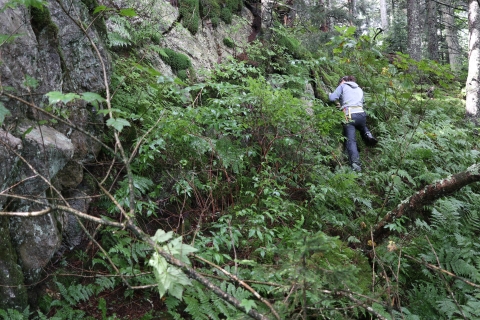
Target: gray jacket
x=349 y=94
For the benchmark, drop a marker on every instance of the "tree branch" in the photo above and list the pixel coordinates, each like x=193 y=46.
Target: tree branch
x=243 y=284
x=426 y=196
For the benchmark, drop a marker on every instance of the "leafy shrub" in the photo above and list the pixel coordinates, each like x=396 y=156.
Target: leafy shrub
x=234 y=5
x=228 y=42
x=226 y=15
x=189 y=11
x=215 y=21
x=210 y=9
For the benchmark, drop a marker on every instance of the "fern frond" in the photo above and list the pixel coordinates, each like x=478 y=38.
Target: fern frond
x=120 y=32
x=194 y=308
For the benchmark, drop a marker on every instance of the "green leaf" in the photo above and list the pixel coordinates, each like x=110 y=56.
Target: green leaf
x=93 y=98
x=9 y=38
x=129 y=12
x=162 y=236
x=248 y=304
x=56 y=96
x=30 y=82
x=3 y=113
x=118 y=123
x=12 y=4
x=27 y=132
x=99 y=9
x=169 y=278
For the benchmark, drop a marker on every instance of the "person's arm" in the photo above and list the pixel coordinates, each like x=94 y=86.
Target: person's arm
x=335 y=95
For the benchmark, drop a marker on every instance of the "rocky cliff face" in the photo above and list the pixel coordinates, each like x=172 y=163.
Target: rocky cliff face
x=42 y=159
x=46 y=52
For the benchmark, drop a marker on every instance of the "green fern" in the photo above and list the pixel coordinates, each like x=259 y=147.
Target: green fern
x=12 y=314
x=195 y=309
x=121 y=32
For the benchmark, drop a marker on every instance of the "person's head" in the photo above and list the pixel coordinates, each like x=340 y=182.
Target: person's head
x=347 y=79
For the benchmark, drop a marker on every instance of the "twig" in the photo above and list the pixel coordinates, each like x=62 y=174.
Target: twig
x=438 y=269
x=242 y=283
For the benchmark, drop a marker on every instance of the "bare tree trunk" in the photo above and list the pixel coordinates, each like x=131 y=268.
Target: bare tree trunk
x=473 y=85
x=352 y=8
x=414 y=30
x=451 y=37
x=425 y=197
x=383 y=14
x=431 y=24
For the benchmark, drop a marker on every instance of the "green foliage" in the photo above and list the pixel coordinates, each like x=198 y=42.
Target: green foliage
x=12 y=4
x=4 y=112
x=210 y=9
x=123 y=33
x=189 y=11
x=226 y=15
x=254 y=178
x=288 y=42
x=169 y=278
x=229 y=42
x=12 y=314
x=396 y=39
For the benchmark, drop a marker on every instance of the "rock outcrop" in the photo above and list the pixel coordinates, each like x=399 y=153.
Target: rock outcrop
x=41 y=159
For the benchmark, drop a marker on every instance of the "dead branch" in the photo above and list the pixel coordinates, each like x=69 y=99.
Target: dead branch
x=243 y=284
x=426 y=196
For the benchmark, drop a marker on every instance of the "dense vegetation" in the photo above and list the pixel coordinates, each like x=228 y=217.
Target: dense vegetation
x=247 y=170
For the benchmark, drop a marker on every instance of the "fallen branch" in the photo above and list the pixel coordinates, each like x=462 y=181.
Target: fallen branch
x=243 y=284
x=426 y=196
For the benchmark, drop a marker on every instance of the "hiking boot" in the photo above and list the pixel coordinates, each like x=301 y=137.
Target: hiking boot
x=356 y=167
x=370 y=139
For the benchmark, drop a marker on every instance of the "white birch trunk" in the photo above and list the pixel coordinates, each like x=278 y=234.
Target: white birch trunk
x=383 y=14
x=472 y=86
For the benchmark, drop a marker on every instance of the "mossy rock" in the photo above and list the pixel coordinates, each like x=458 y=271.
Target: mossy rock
x=190 y=12
x=42 y=22
x=177 y=61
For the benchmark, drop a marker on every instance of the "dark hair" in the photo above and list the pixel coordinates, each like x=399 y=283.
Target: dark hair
x=347 y=78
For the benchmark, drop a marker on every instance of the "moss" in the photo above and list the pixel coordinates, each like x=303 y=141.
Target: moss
x=228 y=42
x=183 y=75
x=226 y=15
x=189 y=11
x=10 y=273
x=291 y=45
x=215 y=21
x=42 y=22
x=210 y=9
x=177 y=61
x=99 y=22
x=234 y=5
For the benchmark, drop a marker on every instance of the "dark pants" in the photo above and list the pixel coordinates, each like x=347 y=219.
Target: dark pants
x=359 y=122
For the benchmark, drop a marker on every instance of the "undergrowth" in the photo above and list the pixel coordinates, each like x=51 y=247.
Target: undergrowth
x=250 y=171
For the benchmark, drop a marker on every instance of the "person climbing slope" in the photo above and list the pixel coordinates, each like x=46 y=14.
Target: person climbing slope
x=351 y=100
